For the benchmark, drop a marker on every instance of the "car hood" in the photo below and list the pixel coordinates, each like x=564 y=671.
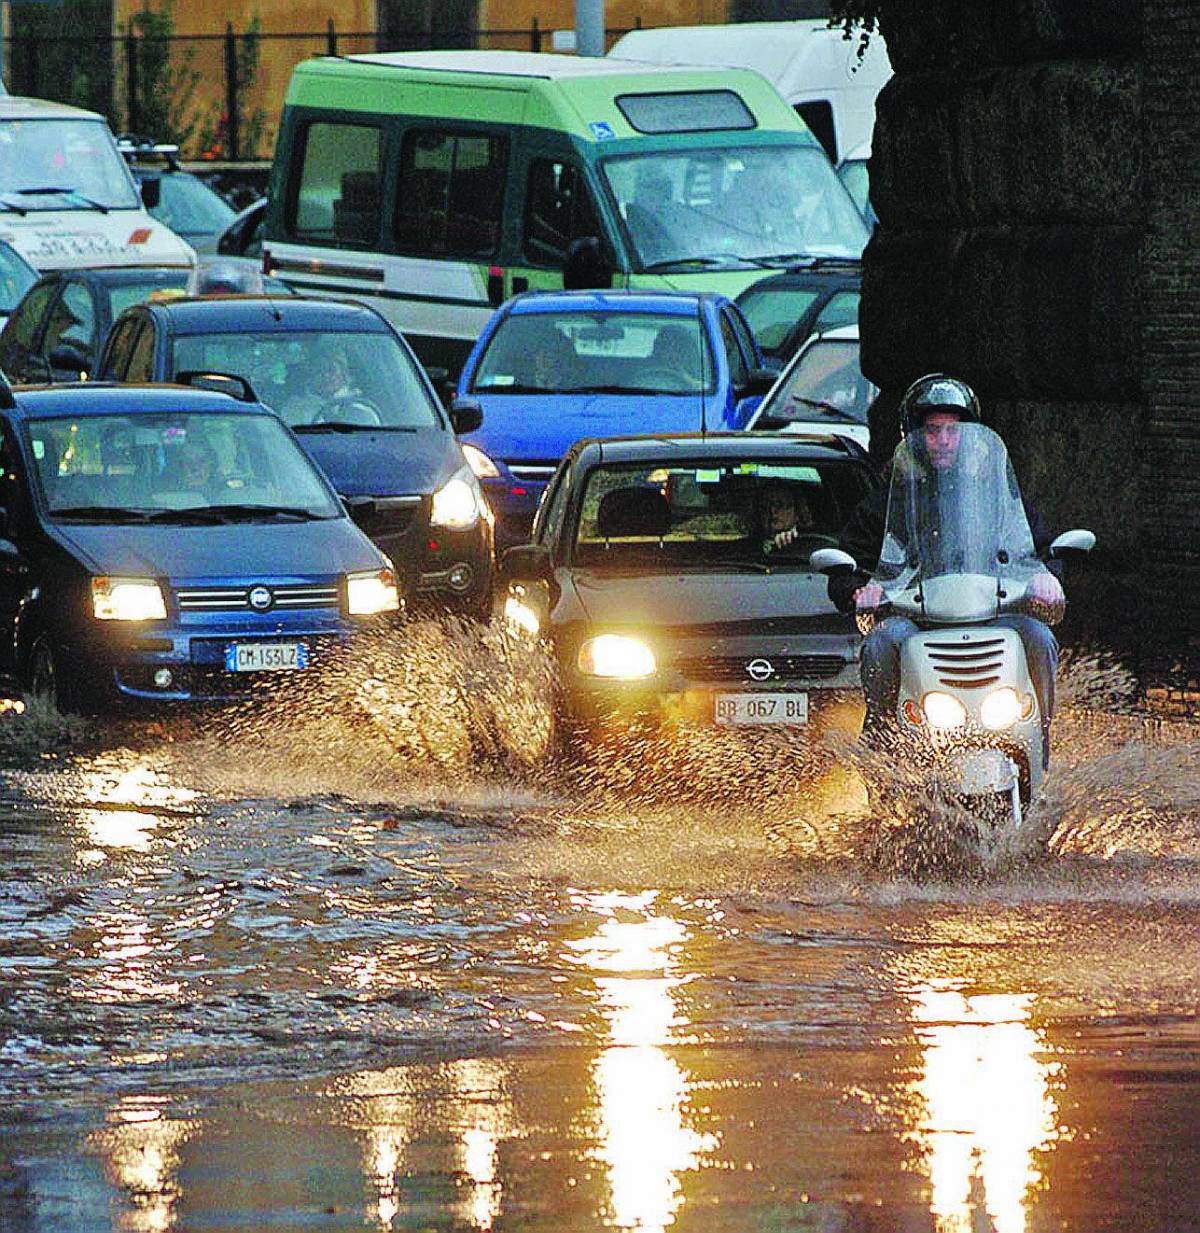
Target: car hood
x=384 y=464
x=530 y=427
x=243 y=550
x=711 y=602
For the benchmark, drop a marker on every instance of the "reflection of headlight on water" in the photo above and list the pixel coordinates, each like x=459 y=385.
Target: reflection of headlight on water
x=943 y=710
x=519 y=614
x=617 y=657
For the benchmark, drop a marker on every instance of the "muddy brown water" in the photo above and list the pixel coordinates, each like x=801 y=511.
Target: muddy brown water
x=342 y=962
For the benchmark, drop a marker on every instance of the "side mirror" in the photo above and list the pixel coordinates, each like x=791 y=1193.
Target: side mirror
x=527 y=563
x=360 y=509
x=759 y=382
x=770 y=423
x=151 y=192
x=465 y=415
x=1073 y=541
x=69 y=356
x=587 y=265
x=832 y=561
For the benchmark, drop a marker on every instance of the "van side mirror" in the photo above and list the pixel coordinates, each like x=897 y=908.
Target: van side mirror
x=528 y=564
x=466 y=414
x=587 y=265
x=68 y=356
x=758 y=382
x=151 y=189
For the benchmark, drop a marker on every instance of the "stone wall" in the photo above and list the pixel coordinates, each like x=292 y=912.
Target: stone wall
x=1035 y=169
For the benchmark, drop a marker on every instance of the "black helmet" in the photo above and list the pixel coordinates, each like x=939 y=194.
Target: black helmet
x=936 y=392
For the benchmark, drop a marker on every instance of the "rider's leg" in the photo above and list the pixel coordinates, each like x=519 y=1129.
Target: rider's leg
x=880 y=666
x=1041 y=654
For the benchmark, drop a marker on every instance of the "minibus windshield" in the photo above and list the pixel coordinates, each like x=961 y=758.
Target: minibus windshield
x=739 y=204
x=62 y=165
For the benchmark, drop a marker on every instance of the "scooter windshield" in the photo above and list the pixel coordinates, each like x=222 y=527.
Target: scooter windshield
x=956 y=528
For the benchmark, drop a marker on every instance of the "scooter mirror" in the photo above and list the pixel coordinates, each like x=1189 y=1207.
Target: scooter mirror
x=832 y=561
x=1073 y=541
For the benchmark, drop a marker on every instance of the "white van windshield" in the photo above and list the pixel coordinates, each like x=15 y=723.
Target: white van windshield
x=713 y=207
x=62 y=165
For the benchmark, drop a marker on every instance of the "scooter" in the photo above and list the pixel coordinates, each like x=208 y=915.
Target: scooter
x=955 y=559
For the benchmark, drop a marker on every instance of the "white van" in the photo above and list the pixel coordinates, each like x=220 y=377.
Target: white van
x=67 y=199
x=814 y=67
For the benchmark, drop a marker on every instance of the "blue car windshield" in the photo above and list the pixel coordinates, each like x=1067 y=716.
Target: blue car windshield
x=151 y=463
x=745 y=513
x=362 y=379
x=730 y=205
x=596 y=352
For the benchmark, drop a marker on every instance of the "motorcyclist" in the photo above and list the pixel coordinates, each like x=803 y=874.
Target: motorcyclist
x=932 y=412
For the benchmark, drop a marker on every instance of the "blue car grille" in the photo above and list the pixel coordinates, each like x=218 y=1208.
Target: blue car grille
x=237 y=599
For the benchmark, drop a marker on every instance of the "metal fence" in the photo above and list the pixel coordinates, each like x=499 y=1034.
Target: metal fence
x=217 y=95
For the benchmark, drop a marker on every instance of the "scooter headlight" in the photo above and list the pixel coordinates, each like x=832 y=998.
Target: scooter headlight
x=943 y=710
x=1000 y=709
x=617 y=657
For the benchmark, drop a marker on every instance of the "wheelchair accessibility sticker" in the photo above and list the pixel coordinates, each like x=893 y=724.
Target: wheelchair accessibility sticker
x=602 y=130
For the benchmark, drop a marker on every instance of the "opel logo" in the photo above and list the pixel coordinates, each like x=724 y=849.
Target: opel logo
x=260 y=599
x=760 y=669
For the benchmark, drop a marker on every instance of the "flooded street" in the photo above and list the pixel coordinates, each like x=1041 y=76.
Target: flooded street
x=315 y=968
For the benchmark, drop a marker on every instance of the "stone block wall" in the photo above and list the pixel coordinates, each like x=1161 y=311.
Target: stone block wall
x=1034 y=169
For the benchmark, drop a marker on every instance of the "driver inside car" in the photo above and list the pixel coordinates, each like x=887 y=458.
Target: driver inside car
x=328 y=386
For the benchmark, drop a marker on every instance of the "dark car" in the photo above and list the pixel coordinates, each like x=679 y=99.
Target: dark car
x=349 y=387
x=785 y=309
x=169 y=544
x=243 y=235
x=181 y=201
x=671 y=577
x=55 y=333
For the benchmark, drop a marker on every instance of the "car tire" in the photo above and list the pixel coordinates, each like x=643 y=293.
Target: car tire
x=44 y=677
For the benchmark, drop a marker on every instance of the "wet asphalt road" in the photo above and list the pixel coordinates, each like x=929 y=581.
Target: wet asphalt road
x=298 y=972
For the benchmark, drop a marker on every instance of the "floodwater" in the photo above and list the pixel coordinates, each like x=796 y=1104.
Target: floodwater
x=342 y=961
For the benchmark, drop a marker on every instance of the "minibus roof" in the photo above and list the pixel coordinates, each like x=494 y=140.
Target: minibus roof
x=577 y=94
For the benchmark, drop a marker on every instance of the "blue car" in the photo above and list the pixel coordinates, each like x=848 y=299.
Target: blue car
x=169 y=543
x=551 y=368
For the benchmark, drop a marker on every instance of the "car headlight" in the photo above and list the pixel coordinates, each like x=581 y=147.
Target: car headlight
x=127 y=599
x=372 y=592
x=456 y=503
x=617 y=657
x=943 y=710
x=1000 y=709
x=482 y=466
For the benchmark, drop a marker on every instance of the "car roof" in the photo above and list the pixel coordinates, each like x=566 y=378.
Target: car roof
x=679 y=303
x=664 y=447
x=118 y=275
x=806 y=276
x=266 y=314
x=35 y=402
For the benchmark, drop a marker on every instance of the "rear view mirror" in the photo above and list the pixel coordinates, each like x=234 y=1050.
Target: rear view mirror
x=527 y=563
x=832 y=561
x=1073 y=541
x=466 y=414
x=759 y=381
x=151 y=192
x=68 y=356
x=770 y=423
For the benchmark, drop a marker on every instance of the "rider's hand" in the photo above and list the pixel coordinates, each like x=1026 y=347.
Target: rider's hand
x=783 y=538
x=868 y=597
x=1046 y=589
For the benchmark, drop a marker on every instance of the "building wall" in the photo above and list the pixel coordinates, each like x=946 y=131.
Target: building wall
x=1035 y=173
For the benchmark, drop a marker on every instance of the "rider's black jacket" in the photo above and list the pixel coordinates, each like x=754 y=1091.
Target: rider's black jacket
x=862 y=538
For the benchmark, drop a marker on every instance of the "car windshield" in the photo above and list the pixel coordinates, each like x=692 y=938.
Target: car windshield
x=63 y=165
x=825 y=383
x=125 y=467
x=16 y=277
x=774 y=311
x=125 y=295
x=312 y=378
x=190 y=207
x=744 y=514
x=604 y=352
x=747 y=203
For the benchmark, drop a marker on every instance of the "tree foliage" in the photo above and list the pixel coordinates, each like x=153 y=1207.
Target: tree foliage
x=857 y=16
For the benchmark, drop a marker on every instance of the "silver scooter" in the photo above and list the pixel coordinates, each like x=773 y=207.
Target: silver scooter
x=957 y=556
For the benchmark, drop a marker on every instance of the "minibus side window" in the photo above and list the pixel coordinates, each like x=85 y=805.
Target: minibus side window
x=141 y=362
x=337 y=199
x=558 y=209
x=451 y=193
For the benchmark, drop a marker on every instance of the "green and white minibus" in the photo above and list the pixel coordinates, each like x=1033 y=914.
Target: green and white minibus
x=437 y=184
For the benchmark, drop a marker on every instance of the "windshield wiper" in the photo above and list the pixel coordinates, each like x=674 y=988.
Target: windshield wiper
x=704 y=262
x=808 y=260
x=755 y=567
x=103 y=513
x=231 y=513
x=336 y=426
x=66 y=192
x=12 y=208
x=830 y=409
x=617 y=389
x=515 y=389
